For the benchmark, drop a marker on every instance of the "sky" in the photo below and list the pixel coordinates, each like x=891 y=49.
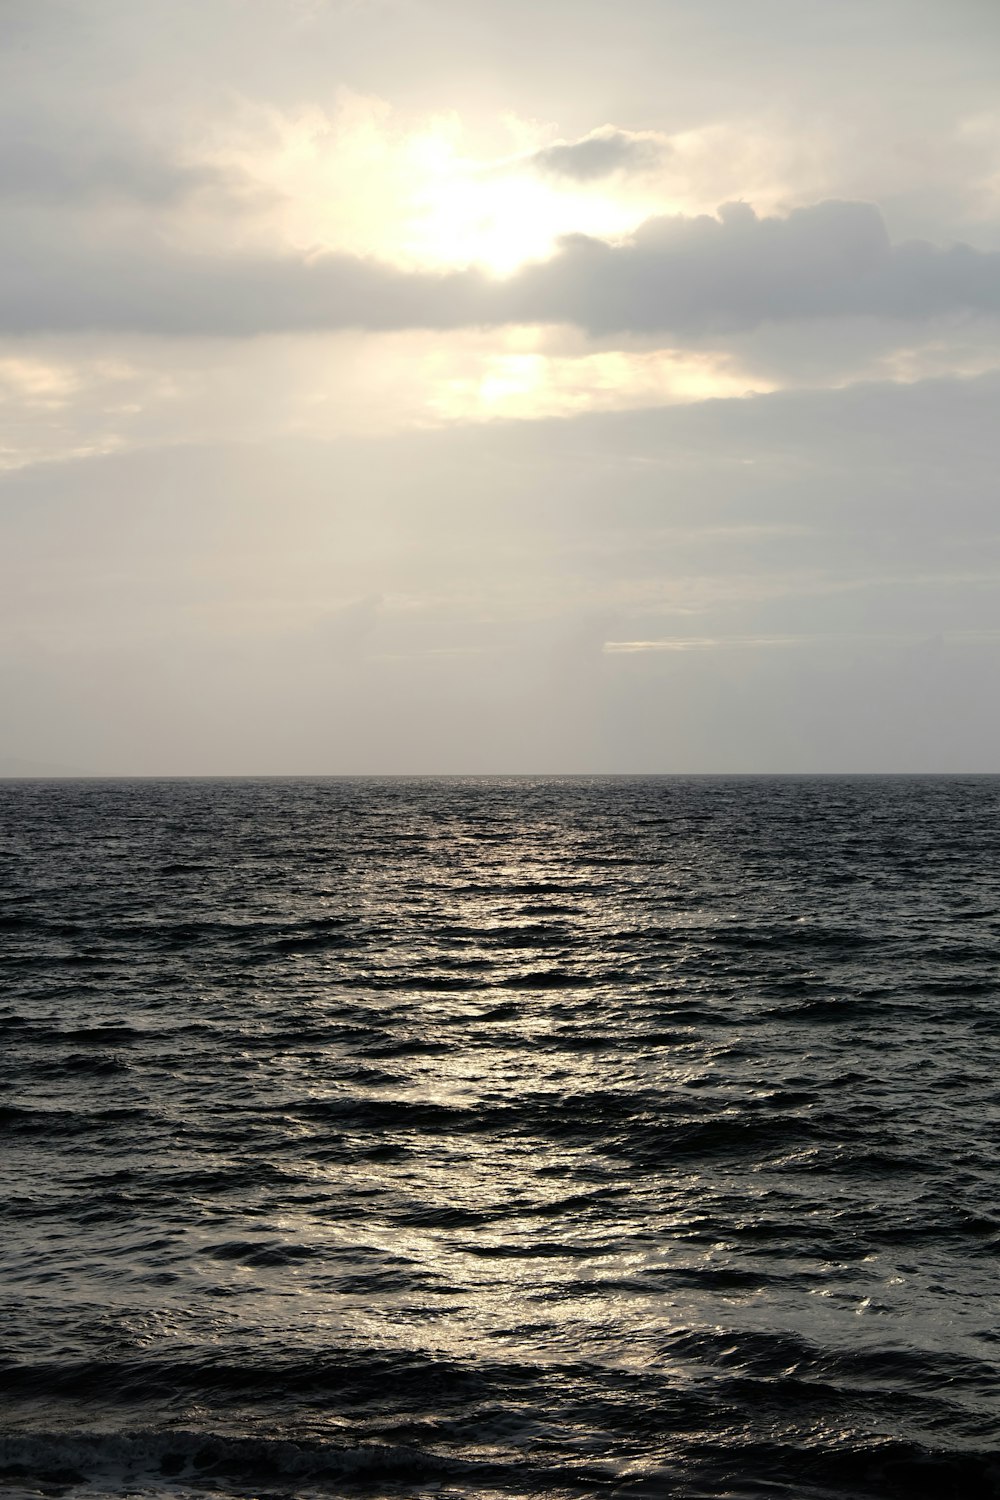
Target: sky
x=484 y=386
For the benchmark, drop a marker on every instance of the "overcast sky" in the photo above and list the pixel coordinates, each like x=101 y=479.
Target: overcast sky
x=485 y=385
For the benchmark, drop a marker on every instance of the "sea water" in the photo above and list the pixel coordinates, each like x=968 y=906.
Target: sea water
x=500 y=1137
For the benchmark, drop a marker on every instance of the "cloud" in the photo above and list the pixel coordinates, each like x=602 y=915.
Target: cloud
x=89 y=170
x=222 y=574
x=600 y=154
x=692 y=276
x=686 y=277
x=441 y=599
x=58 y=284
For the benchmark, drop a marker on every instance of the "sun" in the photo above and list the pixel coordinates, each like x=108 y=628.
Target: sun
x=497 y=225
x=502 y=225
x=420 y=194
x=499 y=217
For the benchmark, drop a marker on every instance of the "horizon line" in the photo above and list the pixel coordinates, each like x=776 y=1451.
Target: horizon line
x=43 y=776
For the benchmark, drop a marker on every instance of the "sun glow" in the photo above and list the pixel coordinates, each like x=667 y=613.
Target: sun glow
x=502 y=219
x=420 y=194
x=512 y=379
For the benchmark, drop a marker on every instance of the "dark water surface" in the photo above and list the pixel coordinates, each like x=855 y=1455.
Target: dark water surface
x=501 y=1137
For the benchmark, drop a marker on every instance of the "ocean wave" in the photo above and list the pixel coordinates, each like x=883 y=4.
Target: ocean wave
x=513 y=1137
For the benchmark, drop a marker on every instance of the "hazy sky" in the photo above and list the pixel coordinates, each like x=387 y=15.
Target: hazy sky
x=484 y=385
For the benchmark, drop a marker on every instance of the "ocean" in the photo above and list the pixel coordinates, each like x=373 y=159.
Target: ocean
x=500 y=1137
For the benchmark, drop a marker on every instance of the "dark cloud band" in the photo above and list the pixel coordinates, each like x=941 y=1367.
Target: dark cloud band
x=679 y=276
